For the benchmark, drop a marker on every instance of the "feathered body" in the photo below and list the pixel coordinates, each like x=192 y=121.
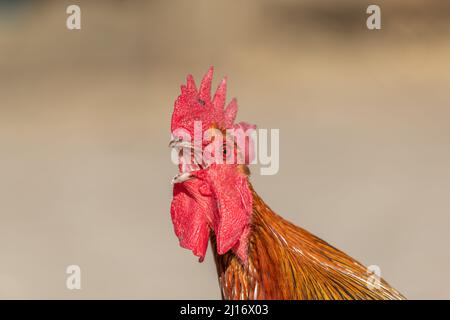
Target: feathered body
x=259 y=255
x=288 y=262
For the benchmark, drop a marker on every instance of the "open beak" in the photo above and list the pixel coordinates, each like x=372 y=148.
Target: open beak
x=185 y=169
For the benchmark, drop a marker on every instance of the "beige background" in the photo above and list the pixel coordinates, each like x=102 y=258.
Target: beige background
x=84 y=125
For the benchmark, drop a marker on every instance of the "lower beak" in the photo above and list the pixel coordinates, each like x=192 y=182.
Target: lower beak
x=182 y=177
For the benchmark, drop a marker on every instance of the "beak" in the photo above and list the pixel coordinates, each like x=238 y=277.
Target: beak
x=179 y=143
x=182 y=177
x=187 y=168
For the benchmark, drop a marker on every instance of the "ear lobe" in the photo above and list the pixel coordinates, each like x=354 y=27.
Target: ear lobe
x=234 y=207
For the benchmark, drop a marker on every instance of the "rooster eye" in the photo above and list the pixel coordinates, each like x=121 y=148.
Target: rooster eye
x=201 y=102
x=224 y=148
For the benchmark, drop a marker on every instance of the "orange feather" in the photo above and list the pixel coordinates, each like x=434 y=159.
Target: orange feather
x=288 y=262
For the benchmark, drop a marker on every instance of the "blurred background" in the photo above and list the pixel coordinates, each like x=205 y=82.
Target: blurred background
x=84 y=127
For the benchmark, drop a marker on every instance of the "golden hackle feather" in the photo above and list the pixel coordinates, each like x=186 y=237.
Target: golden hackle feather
x=288 y=262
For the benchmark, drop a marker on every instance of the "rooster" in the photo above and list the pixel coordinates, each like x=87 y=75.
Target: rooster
x=258 y=254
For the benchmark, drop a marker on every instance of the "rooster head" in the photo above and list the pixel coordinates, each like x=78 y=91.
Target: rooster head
x=211 y=193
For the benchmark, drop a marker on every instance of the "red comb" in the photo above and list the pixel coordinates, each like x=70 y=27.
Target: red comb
x=196 y=105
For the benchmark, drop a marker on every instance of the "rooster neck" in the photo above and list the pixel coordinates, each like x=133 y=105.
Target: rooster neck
x=288 y=262
x=243 y=281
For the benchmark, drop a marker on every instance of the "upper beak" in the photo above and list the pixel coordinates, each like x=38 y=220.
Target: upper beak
x=178 y=143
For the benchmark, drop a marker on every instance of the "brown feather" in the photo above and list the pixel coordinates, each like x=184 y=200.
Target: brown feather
x=288 y=262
